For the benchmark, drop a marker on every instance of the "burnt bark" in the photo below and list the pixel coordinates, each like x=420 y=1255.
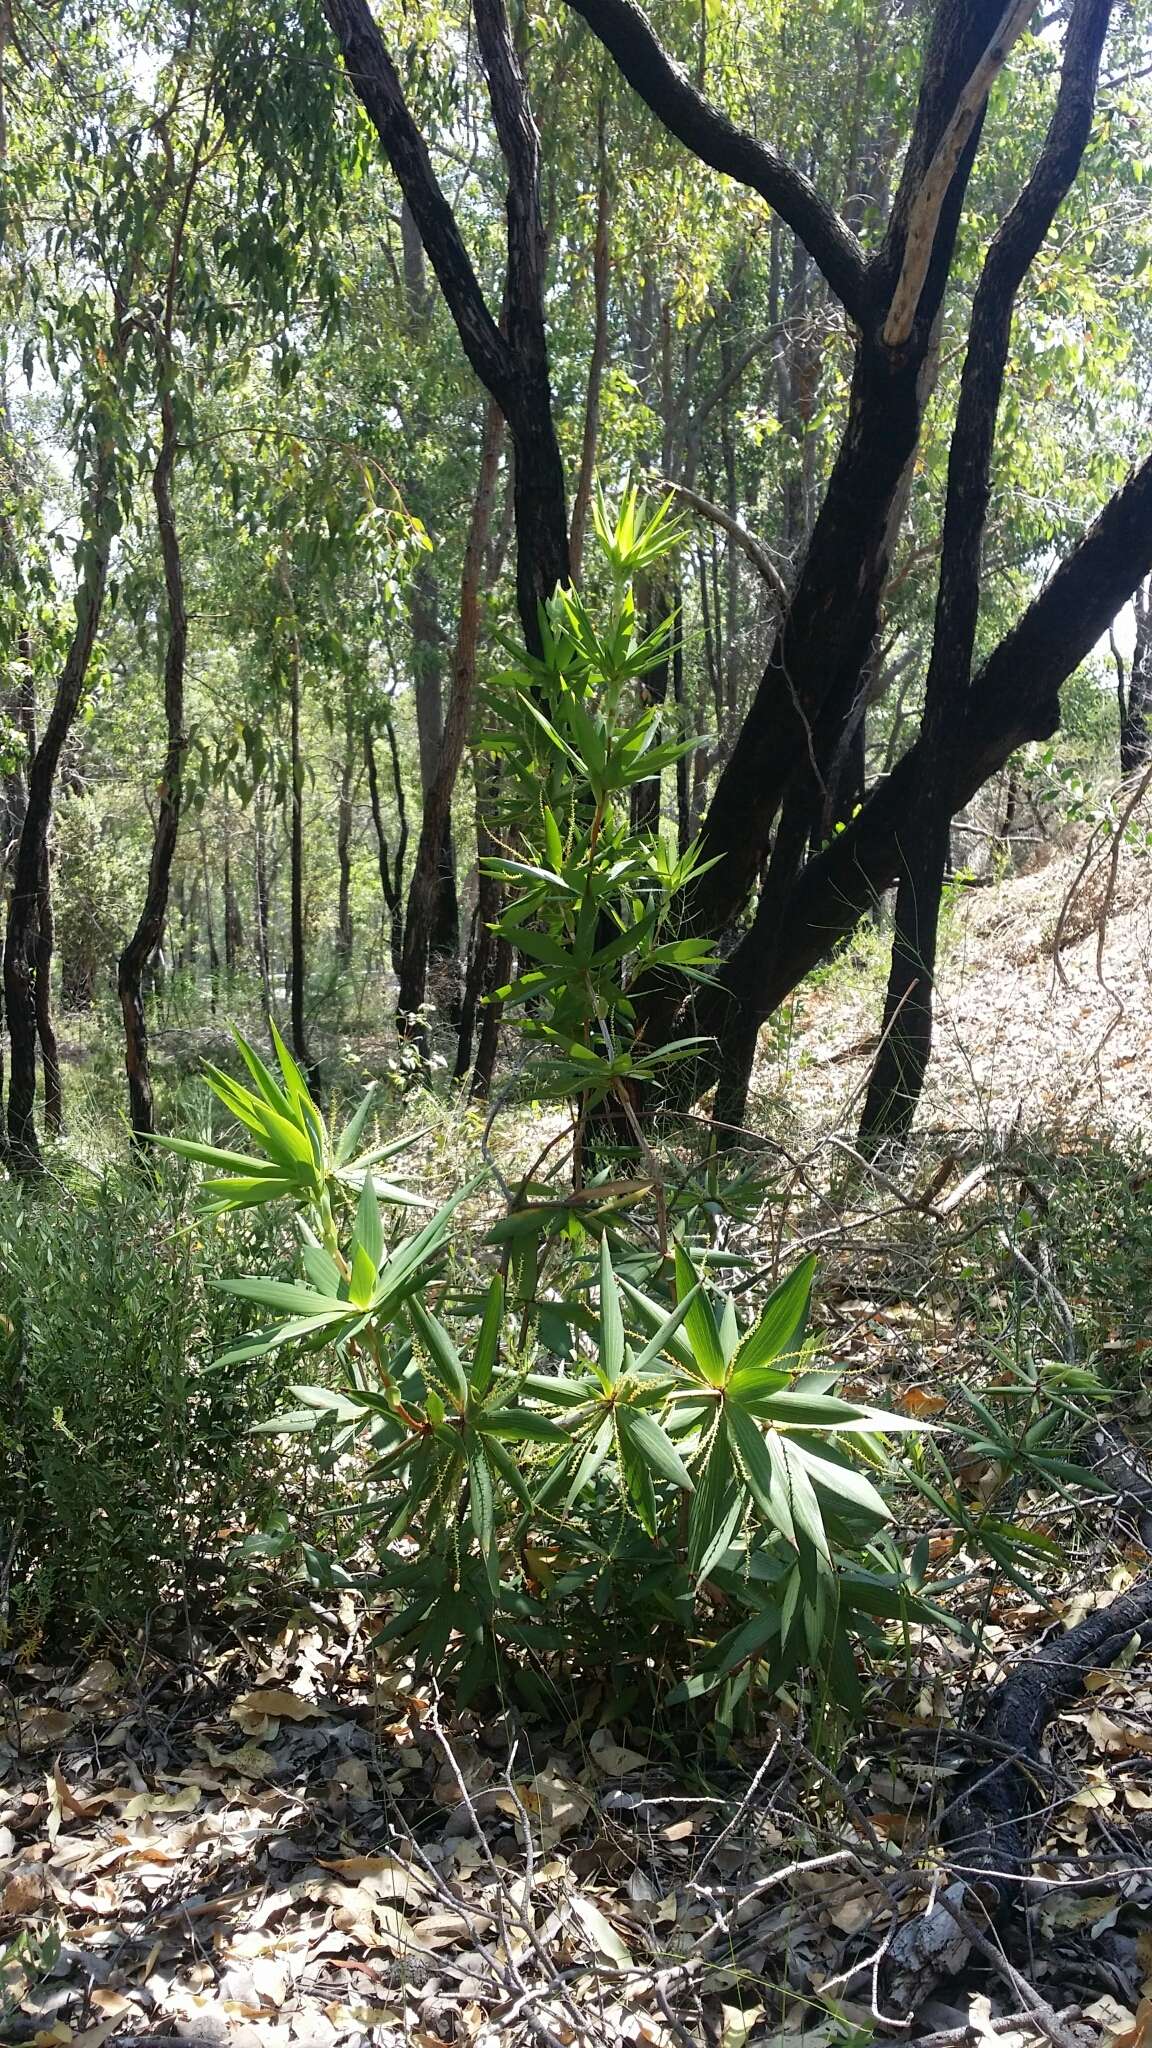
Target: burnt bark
x=490 y=956
x=511 y=364
x=45 y=1023
x=439 y=933
x=389 y=860
x=598 y=355
x=627 y=35
x=261 y=905
x=420 y=937
x=297 y=961
x=830 y=626
x=233 y=922
x=20 y=959
x=906 y=1033
x=344 y=932
x=210 y=925
x=1135 y=691
x=150 y=925
x=45 y=934
x=1014 y=698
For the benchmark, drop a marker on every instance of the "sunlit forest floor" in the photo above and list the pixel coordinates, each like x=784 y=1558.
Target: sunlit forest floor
x=241 y=1825
x=1044 y=1012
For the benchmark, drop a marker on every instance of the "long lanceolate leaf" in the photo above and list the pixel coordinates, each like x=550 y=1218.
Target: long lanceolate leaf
x=290 y=1296
x=611 y=1319
x=718 y=1506
x=779 y=1329
x=699 y=1323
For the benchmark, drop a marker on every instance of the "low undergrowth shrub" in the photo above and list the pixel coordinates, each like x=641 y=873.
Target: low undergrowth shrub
x=126 y=1468
x=657 y=1484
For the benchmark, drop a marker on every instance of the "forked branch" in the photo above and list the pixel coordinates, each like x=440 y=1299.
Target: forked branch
x=628 y=36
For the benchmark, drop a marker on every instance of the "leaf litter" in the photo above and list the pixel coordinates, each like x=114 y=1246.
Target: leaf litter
x=280 y=1843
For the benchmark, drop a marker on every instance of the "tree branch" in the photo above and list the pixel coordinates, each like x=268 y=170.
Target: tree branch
x=520 y=147
x=929 y=200
x=628 y=36
x=757 y=554
x=906 y=1036
x=374 y=79
x=1015 y=698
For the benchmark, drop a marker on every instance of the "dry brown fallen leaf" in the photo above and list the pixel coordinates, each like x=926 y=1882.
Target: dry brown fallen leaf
x=96 y=1683
x=378 y=1869
x=254 y=1710
x=609 y=1757
x=25 y=1891
x=42 y=1727
x=919 y=1401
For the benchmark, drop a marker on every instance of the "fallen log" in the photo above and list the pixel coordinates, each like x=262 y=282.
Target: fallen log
x=986 y=1828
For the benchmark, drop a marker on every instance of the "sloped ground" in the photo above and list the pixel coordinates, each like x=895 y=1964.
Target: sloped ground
x=1018 y=1045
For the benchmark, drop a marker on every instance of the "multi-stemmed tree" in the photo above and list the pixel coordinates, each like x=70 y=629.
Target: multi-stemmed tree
x=762 y=833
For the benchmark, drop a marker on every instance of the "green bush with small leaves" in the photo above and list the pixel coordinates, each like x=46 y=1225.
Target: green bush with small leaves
x=126 y=1470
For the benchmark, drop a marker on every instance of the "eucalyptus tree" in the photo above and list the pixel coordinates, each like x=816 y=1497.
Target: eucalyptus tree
x=83 y=305
x=318 y=554
x=886 y=269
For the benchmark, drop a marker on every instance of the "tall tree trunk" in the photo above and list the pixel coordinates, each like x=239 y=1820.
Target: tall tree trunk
x=20 y=965
x=45 y=935
x=684 y=729
x=233 y=923
x=210 y=927
x=297 y=966
x=653 y=689
x=150 y=924
x=487 y=953
x=260 y=903
x=1014 y=698
x=442 y=934
x=511 y=364
x=426 y=882
x=344 y=934
x=391 y=864
x=906 y=1037
x=598 y=356
x=45 y=1026
x=1136 y=700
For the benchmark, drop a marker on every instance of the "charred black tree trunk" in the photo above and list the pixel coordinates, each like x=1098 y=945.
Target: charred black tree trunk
x=512 y=364
x=20 y=953
x=906 y=1035
x=45 y=1024
x=509 y=356
x=344 y=932
x=261 y=905
x=233 y=923
x=438 y=929
x=210 y=925
x=829 y=628
x=45 y=936
x=489 y=958
x=150 y=925
x=1135 y=693
x=598 y=357
x=1014 y=698
x=297 y=962
x=391 y=863
x=427 y=888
